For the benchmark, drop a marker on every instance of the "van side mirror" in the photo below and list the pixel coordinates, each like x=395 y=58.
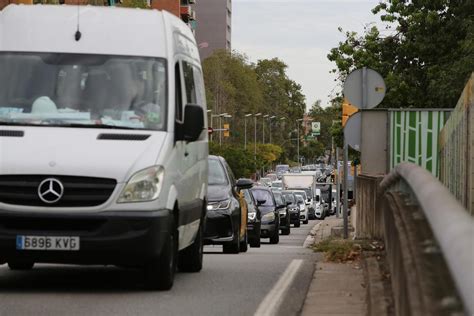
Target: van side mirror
x=193 y=122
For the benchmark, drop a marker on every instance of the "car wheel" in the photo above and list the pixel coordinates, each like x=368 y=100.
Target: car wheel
x=255 y=243
x=286 y=231
x=234 y=245
x=298 y=224
x=275 y=239
x=190 y=258
x=21 y=266
x=244 y=244
x=306 y=222
x=159 y=272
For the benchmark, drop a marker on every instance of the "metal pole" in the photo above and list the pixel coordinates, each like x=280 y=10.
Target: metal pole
x=220 y=131
x=255 y=147
x=338 y=184
x=298 y=141
x=354 y=183
x=245 y=142
x=263 y=130
x=212 y=125
x=346 y=190
x=270 y=131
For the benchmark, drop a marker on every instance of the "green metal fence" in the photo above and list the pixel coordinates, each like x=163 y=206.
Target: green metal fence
x=414 y=137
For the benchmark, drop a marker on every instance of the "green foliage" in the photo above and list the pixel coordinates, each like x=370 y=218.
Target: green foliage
x=427 y=58
x=237 y=87
x=242 y=161
x=338 y=250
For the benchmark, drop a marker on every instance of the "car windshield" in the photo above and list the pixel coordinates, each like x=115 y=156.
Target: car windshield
x=308 y=193
x=278 y=199
x=277 y=185
x=299 y=199
x=80 y=90
x=216 y=173
x=289 y=198
x=302 y=194
x=260 y=195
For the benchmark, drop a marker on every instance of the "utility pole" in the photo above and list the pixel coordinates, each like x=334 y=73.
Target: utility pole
x=338 y=184
x=245 y=123
x=271 y=118
x=255 y=141
x=298 y=138
x=263 y=128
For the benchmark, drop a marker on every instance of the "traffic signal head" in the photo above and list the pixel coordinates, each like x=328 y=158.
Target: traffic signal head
x=347 y=110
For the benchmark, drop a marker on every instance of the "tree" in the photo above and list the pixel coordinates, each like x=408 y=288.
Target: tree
x=426 y=59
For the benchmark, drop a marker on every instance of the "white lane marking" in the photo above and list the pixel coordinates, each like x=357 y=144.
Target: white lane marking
x=270 y=304
x=310 y=239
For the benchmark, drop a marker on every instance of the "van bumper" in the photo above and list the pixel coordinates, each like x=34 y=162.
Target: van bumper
x=121 y=238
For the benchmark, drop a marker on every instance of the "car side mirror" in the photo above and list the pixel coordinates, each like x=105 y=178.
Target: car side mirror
x=243 y=184
x=261 y=202
x=193 y=124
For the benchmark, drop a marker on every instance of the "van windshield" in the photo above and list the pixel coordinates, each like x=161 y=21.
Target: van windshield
x=81 y=90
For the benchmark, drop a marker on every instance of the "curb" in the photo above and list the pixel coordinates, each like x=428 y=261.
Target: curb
x=377 y=304
x=311 y=237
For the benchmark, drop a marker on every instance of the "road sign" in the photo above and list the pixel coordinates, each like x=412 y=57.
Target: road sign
x=352 y=131
x=316 y=128
x=226 y=130
x=364 y=88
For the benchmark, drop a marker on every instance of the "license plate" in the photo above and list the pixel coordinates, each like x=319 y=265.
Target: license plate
x=67 y=243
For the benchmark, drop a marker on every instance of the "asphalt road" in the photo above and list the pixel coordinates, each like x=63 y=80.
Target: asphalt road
x=227 y=285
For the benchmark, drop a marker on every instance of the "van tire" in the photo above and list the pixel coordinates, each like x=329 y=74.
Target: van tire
x=255 y=243
x=298 y=224
x=190 y=258
x=159 y=272
x=275 y=239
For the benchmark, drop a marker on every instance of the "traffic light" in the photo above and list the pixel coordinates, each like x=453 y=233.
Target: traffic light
x=226 y=130
x=347 y=110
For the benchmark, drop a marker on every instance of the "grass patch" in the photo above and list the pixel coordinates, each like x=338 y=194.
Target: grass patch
x=338 y=250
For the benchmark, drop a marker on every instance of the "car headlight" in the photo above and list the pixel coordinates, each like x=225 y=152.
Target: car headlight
x=145 y=185
x=221 y=205
x=268 y=217
x=252 y=216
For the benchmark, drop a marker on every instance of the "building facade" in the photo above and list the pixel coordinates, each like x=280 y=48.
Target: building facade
x=181 y=8
x=214 y=26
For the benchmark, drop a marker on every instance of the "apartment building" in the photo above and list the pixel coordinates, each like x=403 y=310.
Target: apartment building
x=214 y=26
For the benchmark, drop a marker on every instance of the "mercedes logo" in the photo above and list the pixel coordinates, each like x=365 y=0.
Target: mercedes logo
x=50 y=190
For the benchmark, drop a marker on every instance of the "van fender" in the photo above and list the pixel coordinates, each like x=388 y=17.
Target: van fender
x=172 y=198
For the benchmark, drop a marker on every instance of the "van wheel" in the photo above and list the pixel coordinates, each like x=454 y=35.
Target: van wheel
x=234 y=245
x=298 y=224
x=190 y=259
x=255 y=243
x=244 y=244
x=159 y=272
x=21 y=266
x=285 y=231
x=305 y=222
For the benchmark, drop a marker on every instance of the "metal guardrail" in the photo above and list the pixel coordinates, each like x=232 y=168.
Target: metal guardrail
x=452 y=226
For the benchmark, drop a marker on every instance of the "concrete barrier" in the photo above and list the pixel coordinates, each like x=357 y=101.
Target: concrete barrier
x=369 y=215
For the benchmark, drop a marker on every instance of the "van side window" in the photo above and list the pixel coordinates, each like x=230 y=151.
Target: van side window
x=189 y=80
x=200 y=90
x=179 y=95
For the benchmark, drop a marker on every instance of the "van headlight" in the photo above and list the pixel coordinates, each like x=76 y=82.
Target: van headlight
x=143 y=186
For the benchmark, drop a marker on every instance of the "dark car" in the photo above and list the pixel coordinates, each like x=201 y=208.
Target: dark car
x=254 y=219
x=285 y=221
x=270 y=214
x=293 y=207
x=226 y=217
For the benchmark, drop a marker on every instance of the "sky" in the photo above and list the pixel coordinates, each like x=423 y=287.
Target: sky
x=301 y=33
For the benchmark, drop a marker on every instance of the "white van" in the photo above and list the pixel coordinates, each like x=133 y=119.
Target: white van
x=103 y=140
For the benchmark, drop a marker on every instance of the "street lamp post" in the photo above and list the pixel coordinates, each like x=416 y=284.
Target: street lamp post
x=271 y=118
x=298 y=145
x=245 y=133
x=255 y=140
x=263 y=128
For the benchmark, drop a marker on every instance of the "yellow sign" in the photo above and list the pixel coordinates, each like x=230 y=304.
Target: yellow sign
x=226 y=130
x=347 y=110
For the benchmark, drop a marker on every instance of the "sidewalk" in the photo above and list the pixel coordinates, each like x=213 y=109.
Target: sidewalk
x=336 y=288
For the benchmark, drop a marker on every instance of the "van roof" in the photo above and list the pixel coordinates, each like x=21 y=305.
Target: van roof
x=105 y=30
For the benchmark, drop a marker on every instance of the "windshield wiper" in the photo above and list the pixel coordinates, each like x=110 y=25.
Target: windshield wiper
x=103 y=126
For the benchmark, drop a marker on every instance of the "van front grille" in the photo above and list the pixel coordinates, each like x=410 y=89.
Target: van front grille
x=78 y=191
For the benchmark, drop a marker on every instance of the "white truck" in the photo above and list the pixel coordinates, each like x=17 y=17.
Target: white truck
x=306 y=182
